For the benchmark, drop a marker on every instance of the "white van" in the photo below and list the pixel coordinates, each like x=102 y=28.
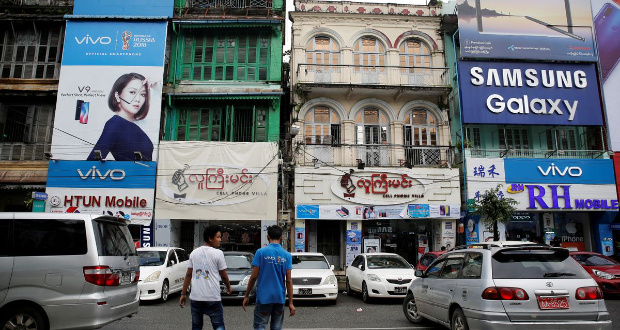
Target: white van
x=66 y=271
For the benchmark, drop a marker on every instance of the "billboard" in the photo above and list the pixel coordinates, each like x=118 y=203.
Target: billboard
x=217 y=180
x=136 y=8
x=526 y=29
x=529 y=93
x=541 y=184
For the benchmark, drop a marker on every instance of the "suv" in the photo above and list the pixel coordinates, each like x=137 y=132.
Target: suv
x=501 y=285
x=66 y=271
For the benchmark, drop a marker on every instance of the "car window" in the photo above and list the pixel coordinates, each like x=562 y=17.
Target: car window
x=45 y=237
x=472 y=268
x=357 y=261
x=238 y=261
x=172 y=258
x=427 y=259
x=182 y=255
x=434 y=269
x=451 y=268
x=593 y=260
x=5 y=238
x=385 y=261
x=152 y=258
x=309 y=262
x=536 y=264
x=115 y=237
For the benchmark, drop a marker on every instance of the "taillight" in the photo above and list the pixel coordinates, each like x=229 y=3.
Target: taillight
x=503 y=293
x=101 y=275
x=589 y=293
x=137 y=277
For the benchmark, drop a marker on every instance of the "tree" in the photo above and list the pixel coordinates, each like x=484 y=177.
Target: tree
x=494 y=207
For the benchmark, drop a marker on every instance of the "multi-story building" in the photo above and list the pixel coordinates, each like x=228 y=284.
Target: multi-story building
x=374 y=168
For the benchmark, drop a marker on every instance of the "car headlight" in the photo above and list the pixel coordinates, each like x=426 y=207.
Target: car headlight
x=373 y=277
x=153 y=277
x=245 y=281
x=602 y=274
x=331 y=279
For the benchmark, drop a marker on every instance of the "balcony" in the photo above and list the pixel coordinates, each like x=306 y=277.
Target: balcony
x=228 y=7
x=378 y=76
x=528 y=153
x=385 y=155
x=52 y=3
x=23 y=151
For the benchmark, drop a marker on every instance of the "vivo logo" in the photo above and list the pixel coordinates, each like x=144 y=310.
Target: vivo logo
x=94 y=173
x=573 y=171
x=89 y=40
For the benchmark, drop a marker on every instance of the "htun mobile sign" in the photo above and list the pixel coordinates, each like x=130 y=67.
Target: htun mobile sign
x=529 y=93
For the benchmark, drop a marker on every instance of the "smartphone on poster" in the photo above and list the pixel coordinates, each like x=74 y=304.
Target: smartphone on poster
x=607 y=25
x=84 y=112
x=78 y=109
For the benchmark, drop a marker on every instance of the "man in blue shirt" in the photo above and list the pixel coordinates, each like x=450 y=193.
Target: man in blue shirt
x=271 y=272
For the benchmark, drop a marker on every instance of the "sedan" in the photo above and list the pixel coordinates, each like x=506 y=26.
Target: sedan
x=313 y=277
x=604 y=270
x=379 y=275
x=162 y=270
x=239 y=269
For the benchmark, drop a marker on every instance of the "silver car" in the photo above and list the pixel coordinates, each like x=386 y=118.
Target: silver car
x=507 y=285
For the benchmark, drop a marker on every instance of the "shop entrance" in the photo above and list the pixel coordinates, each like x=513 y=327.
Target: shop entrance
x=328 y=237
x=407 y=238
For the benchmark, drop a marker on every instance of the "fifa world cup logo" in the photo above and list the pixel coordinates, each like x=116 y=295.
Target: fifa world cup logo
x=126 y=37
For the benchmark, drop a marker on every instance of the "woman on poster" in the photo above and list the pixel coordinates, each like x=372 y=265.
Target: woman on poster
x=121 y=136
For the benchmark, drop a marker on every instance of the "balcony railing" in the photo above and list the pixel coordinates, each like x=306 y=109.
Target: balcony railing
x=23 y=151
x=527 y=153
x=372 y=75
x=204 y=6
x=63 y=3
x=384 y=155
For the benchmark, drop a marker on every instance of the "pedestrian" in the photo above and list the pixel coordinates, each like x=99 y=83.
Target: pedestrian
x=271 y=272
x=210 y=269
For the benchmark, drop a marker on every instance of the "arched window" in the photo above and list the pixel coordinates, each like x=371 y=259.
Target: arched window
x=415 y=59
x=420 y=128
x=369 y=58
x=322 y=126
x=372 y=132
x=322 y=50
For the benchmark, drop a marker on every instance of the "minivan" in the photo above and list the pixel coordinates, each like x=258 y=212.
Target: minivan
x=66 y=271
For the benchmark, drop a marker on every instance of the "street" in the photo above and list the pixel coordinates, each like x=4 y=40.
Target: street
x=349 y=313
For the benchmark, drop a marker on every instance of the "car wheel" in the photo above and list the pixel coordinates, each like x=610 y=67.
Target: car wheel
x=459 y=322
x=165 y=291
x=365 y=297
x=23 y=317
x=348 y=288
x=411 y=309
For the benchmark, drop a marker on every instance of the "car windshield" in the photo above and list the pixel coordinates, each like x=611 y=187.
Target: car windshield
x=152 y=258
x=593 y=260
x=237 y=262
x=387 y=262
x=538 y=264
x=310 y=262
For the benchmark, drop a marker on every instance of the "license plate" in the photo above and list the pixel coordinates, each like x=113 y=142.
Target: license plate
x=400 y=289
x=305 y=291
x=553 y=302
x=126 y=277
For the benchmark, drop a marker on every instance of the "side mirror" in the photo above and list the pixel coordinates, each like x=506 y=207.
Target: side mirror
x=361 y=267
x=419 y=273
x=331 y=267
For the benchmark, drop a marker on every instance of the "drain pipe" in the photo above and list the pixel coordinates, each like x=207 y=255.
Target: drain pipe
x=458 y=93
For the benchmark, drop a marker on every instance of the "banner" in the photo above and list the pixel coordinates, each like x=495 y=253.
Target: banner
x=376 y=212
x=526 y=29
x=136 y=8
x=217 y=180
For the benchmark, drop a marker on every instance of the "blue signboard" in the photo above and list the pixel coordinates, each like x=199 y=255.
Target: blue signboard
x=114 y=43
x=95 y=174
x=529 y=93
x=307 y=212
x=418 y=210
x=573 y=171
x=135 y=8
x=146 y=236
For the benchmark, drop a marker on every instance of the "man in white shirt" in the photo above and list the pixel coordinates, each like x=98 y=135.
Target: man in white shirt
x=210 y=268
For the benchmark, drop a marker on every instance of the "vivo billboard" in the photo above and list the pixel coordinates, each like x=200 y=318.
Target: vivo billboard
x=529 y=93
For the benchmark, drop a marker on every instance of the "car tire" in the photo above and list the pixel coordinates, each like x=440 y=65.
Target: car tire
x=25 y=317
x=365 y=295
x=165 y=290
x=459 y=322
x=348 y=288
x=411 y=309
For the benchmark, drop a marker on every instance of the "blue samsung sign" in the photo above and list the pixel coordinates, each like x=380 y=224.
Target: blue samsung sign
x=572 y=171
x=529 y=93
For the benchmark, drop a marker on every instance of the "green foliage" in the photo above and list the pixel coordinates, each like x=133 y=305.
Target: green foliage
x=493 y=209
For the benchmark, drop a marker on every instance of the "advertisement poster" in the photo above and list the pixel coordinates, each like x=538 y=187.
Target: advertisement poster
x=354 y=242
x=472 y=231
x=371 y=212
x=372 y=245
x=422 y=245
x=526 y=29
x=300 y=239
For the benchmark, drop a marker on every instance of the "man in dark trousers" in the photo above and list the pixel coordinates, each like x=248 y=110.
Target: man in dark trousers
x=271 y=272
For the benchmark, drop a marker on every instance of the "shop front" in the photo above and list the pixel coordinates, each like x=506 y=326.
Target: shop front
x=561 y=202
x=233 y=185
x=342 y=212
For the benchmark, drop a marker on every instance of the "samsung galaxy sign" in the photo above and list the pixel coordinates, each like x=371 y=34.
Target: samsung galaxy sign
x=529 y=93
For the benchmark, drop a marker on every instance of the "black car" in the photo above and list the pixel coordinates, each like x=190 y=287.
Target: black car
x=239 y=270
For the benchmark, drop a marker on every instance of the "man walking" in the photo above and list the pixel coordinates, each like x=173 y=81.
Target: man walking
x=271 y=272
x=210 y=268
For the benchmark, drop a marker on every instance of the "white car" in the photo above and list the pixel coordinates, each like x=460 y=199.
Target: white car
x=162 y=270
x=379 y=275
x=313 y=277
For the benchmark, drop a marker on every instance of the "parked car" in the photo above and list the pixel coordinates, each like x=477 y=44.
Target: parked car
x=507 y=285
x=162 y=271
x=313 y=277
x=239 y=270
x=604 y=270
x=66 y=271
x=427 y=258
x=379 y=275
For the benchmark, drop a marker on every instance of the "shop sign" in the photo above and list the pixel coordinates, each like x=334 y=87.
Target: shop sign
x=615 y=226
x=373 y=212
x=535 y=170
x=386 y=187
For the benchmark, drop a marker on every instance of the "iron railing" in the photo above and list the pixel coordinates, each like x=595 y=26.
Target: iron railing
x=528 y=153
x=23 y=151
x=372 y=75
x=239 y=4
